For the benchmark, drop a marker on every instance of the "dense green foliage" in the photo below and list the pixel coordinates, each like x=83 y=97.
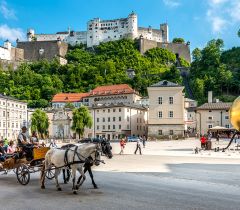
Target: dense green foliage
x=81 y=119
x=107 y=63
x=216 y=70
x=40 y=122
x=178 y=40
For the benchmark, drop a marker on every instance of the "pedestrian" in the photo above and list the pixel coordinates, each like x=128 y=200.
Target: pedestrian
x=144 y=139
x=122 y=145
x=11 y=148
x=203 y=142
x=138 y=147
x=2 y=151
x=217 y=137
x=53 y=143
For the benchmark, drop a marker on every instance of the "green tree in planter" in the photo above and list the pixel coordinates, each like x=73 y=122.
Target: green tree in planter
x=81 y=119
x=40 y=122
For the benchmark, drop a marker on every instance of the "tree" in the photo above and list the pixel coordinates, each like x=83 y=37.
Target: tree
x=69 y=105
x=81 y=119
x=238 y=33
x=178 y=40
x=40 y=122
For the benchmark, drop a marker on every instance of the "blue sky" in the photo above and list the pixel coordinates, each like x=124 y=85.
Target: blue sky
x=197 y=21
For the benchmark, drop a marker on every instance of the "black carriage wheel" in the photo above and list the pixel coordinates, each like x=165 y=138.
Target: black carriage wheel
x=23 y=174
x=50 y=173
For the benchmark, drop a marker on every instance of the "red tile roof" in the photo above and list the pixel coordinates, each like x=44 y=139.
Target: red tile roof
x=69 y=97
x=112 y=90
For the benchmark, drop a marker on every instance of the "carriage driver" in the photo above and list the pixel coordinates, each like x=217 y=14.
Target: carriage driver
x=22 y=137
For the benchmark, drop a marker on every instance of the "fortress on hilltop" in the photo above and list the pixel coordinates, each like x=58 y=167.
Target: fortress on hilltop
x=111 y=30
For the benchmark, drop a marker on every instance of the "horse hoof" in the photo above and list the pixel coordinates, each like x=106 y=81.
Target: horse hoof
x=59 y=189
x=75 y=192
x=42 y=187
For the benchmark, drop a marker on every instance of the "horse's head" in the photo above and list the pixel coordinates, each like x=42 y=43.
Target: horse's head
x=96 y=155
x=106 y=148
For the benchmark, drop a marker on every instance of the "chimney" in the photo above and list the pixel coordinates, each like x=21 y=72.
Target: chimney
x=210 y=96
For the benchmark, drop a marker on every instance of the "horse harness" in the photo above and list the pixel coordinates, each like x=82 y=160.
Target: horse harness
x=81 y=158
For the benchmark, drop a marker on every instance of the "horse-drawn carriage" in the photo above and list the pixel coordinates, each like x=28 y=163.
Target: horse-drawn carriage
x=23 y=165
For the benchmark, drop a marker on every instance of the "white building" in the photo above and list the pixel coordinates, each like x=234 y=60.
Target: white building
x=105 y=30
x=166 y=110
x=213 y=114
x=190 y=115
x=13 y=115
x=114 y=121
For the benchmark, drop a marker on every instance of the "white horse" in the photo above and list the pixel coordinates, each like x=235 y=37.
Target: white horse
x=74 y=157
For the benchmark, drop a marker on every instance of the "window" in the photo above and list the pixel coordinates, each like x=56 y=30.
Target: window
x=114 y=110
x=8 y=124
x=159 y=100
x=103 y=119
x=119 y=119
x=210 y=126
x=127 y=110
x=97 y=119
x=103 y=127
x=128 y=118
x=104 y=110
x=170 y=100
x=12 y=125
x=128 y=127
x=159 y=132
x=226 y=117
x=109 y=127
x=4 y=113
x=170 y=132
x=227 y=126
x=119 y=126
x=120 y=110
x=137 y=127
x=113 y=126
x=16 y=125
x=114 y=118
x=7 y=114
x=210 y=118
x=140 y=127
x=137 y=120
x=170 y=114
x=108 y=110
x=109 y=119
x=4 y=124
x=160 y=114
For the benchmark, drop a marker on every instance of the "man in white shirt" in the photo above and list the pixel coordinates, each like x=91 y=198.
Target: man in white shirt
x=138 y=147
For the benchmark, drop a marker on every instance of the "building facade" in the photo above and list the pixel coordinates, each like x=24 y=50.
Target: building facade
x=105 y=30
x=114 y=108
x=13 y=115
x=166 y=110
x=60 y=100
x=114 y=121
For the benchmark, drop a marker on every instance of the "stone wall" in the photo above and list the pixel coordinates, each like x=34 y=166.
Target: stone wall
x=181 y=49
x=49 y=49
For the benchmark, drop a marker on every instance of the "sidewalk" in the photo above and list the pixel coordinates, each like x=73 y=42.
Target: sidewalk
x=184 y=148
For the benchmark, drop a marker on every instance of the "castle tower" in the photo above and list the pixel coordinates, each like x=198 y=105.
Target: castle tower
x=92 y=32
x=7 y=45
x=133 y=25
x=30 y=34
x=164 y=29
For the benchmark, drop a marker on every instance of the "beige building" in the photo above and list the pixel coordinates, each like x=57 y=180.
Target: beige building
x=166 y=110
x=13 y=115
x=213 y=114
x=190 y=115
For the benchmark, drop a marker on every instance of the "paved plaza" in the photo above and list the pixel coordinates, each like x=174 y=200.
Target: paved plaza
x=167 y=176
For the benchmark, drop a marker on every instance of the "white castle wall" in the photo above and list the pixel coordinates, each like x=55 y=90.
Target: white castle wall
x=106 y=30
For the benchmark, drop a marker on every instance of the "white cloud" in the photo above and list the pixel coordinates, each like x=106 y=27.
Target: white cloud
x=7 y=13
x=171 y=3
x=223 y=13
x=11 y=33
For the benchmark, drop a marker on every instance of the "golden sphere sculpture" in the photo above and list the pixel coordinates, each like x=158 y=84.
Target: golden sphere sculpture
x=235 y=114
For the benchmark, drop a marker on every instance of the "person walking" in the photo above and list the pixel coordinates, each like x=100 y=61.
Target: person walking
x=138 y=147
x=144 y=139
x=122 y=145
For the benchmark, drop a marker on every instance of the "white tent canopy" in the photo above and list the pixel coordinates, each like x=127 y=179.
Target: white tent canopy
x=219 y=128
